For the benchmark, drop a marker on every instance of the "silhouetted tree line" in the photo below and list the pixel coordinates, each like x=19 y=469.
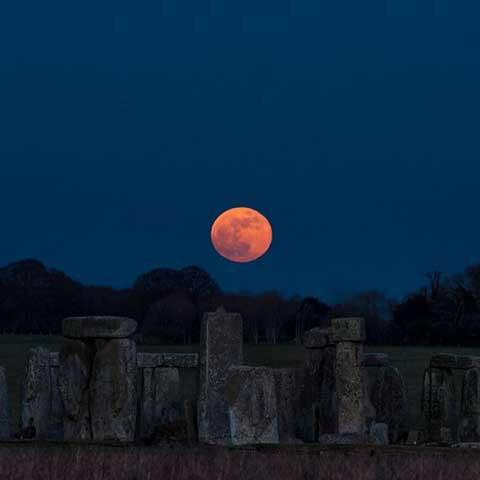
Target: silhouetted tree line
x=169 y=304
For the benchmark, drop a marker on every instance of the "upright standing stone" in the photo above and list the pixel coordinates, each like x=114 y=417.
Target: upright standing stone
x=319 y=393
x=350 y=388
x=56 y=429
x=389 y=397
x=4 y=406
x=112 y=394
x=328 y=413
x=221 y=348
x=37 y=392
x=168 y=407
x=369 y=411
x=289 y=384
x=469 y=425
x=349 y=333
x=438 y=402
x=252 y=405
x=74 y=370
x=146 y=413
x=311 y=394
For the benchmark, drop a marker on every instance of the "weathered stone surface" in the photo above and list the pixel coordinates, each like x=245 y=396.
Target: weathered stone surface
x=112 y=393
x=98 y=327
x=350 y=387
x=438 y=402
x=289 y=384
x=54 y=359
x=74 y=370
x=174 y=360
x=252 y=405
x=349 y=329
x=469 y=424
x=190 y=420
x=319 y=402
x=466 y=362
x=316 y=338
x=375 y=360
x=378 y=434
x=221 y=348
x=328 y=409
x=57 y=412
x=167 y=400
x=37 y=397
x=470 y=403
x=443 y=360
x=162 y=403
x=389 y=398
x=461 y=362
x=5 y=423
x=369 y=411
x=314 y=369
x=146 y=410
x=469 y=428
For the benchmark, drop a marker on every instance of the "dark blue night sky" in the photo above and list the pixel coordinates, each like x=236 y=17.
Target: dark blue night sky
x=127 y=127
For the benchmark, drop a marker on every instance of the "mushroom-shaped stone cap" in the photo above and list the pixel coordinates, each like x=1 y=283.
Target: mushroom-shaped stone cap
x=98 y=327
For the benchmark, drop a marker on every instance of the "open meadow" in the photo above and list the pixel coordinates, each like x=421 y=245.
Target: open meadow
x=411 y=361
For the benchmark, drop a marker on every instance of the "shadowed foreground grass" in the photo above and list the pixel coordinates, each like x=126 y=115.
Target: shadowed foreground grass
x=106 y=461
x=411 y=361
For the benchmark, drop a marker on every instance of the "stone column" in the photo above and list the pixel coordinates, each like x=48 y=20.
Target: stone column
x=388 y=395
x=98 y=387
x=145 y=399
x=289 y=386
x=252 y=405
x=349 y=335
x=57 y=411
x=438 y=403
x=74 y=372
x=469 y=425
x=37 y=392
x=112 y=392
x=221 y=348
x=319 y=395
x=4 y=406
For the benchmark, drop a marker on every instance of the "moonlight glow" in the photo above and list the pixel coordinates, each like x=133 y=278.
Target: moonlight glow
x=241 y=234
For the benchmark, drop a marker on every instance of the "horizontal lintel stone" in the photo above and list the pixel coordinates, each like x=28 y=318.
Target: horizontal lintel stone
x=347 y=329
x=461 y=362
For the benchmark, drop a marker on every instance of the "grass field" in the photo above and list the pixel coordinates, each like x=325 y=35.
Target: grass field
x=411 y=361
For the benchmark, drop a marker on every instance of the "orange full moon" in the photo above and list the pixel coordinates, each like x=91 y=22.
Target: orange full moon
x=241 y=234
